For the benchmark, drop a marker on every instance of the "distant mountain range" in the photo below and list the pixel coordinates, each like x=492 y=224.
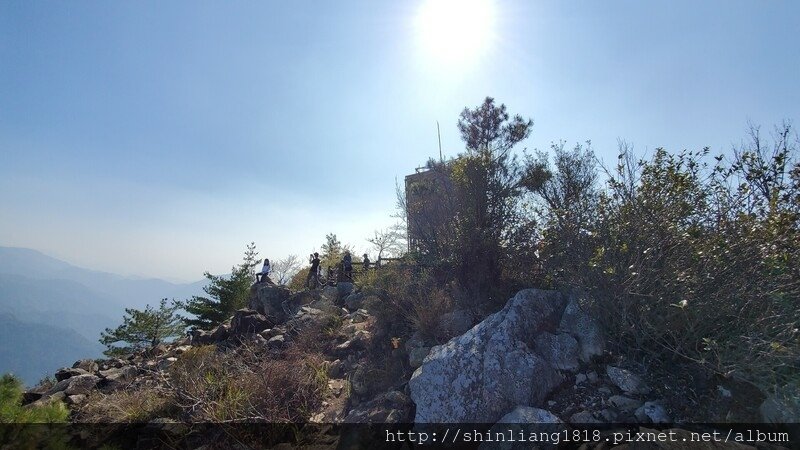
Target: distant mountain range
x=52 y=312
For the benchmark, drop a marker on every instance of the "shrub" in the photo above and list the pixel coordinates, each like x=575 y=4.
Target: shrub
x=697 y=261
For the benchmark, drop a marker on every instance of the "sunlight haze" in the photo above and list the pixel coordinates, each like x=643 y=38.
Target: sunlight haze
x=159 y=138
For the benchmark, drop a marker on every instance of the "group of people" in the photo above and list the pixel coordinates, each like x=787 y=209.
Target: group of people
x=346 y=265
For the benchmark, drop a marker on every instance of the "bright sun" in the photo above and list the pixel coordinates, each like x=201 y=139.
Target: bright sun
x=455 y=33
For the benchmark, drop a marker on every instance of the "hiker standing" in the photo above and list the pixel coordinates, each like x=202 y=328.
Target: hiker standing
x=366 y=263
x=347 y=264
x=313 y=272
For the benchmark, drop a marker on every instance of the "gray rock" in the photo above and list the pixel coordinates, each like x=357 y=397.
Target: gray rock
x=604 y=390
x=344 y=288
x=359 y=381
x=75 y=399
x=583 y=417
x=592 y=377
x=652 y=411
x=249 y=321
x=626 y=380
x=783 y=407
x=68 y=372
x=524 y=420
x=391 y=407
x=330 y=294
x=417 y=356
x=270 y=301
x=622 y=403
x=166 y=363
x=608 y=415
x=89 y=365
x=357 y=342
x=200 y=337
x=584 y=329
x=580 y=379
x=220 y=333
x=354 y=302
x=125 y=374
x=336 y=369
x=527 y=414
x=277 y=342
x=359 y=316
x=479 y=376
x=455 y=322
x=81 y=384
x=560 y=350
x=58 y=387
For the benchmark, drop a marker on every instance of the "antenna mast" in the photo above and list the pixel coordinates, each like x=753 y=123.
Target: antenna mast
x=439 y=133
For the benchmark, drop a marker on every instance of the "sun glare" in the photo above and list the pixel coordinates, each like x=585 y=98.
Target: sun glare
x=455 y=33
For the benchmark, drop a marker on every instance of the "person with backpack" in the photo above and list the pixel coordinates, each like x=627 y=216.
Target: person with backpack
x=366 y=263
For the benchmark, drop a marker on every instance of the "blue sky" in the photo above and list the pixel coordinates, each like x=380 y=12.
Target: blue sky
x=158 y=138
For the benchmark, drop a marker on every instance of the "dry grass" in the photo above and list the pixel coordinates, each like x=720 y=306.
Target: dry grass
x=246 y=385
x=136 y=406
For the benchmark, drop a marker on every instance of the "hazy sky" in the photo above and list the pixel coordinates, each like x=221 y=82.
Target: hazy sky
x=158 y=138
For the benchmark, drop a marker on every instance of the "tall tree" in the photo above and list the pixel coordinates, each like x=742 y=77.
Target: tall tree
x=144 y=329
x=487 y=182
x=225 y=294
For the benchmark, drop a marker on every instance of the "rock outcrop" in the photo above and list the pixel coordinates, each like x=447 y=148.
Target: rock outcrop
x=492 y=368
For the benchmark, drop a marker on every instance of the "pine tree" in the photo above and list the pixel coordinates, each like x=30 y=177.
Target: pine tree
x=224 y=294
x=144 y=329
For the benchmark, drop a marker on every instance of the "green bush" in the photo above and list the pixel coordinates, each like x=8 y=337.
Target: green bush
x=12 y=411
x=696 y=260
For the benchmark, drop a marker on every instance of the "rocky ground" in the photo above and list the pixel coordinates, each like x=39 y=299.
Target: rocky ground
x=539 y=359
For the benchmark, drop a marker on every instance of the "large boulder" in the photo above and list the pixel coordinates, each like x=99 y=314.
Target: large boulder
x=271 y=301
x=578 y=324
x=249 y=321
x=80 y=384
x=482 y=374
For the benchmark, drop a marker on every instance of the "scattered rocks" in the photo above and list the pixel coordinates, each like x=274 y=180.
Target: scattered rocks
x=249 y=321
x=391 y=407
